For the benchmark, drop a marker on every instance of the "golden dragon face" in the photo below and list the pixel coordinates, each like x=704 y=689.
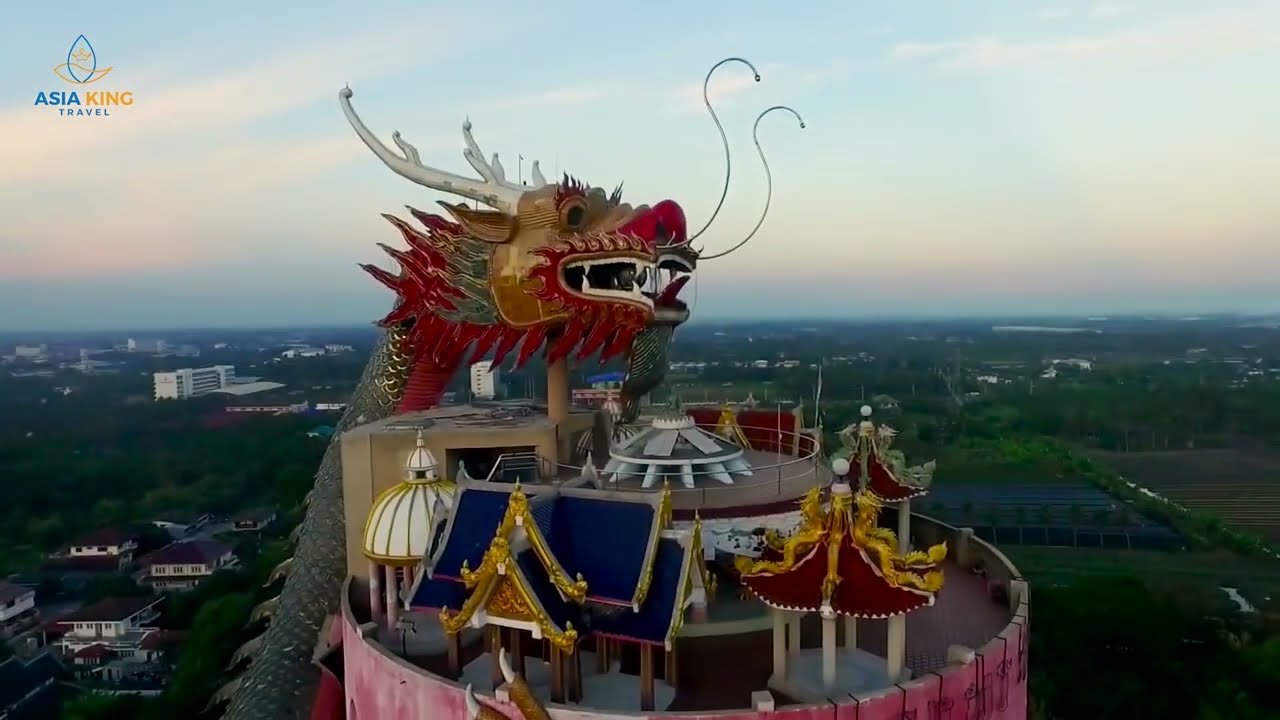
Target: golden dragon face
x=563 y=265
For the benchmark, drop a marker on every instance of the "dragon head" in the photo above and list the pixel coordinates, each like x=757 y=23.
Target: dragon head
x=565 y=266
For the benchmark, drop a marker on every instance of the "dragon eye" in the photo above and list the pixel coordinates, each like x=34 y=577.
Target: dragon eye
x=573 y=213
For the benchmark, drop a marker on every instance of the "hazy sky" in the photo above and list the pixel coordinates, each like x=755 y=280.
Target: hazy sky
x=960 y=156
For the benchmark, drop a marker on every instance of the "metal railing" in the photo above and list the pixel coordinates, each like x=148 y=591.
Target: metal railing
x=524 y=466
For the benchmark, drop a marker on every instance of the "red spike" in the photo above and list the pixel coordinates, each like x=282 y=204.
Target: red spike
x=532 y=342
x=600 y=330
x=408 y=263
x=435 y=223
x=382 y=276
x=569 y=338
x=428 y=333
x=485 y=342
x=445 y=340
x=508 y=341
x=467 y=335
x=620 y=342
x=401 y=312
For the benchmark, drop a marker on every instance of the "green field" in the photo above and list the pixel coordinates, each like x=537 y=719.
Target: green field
x=1203 y=572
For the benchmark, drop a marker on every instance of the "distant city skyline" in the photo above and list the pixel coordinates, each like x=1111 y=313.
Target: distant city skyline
x=1069 y=158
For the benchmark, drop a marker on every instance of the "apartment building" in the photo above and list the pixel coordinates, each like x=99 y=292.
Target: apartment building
x=192 y=382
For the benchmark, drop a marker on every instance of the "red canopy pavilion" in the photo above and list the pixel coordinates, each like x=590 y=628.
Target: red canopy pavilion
x=839 y=563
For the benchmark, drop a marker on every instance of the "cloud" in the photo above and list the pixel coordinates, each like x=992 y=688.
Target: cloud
x=1053 y=13
x=51 y=144
x=1223 y=33
x=1107 y=9
x=156 y=217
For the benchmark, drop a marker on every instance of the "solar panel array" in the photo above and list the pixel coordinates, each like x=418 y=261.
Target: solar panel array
x=1015 y=494
x=1059 y=514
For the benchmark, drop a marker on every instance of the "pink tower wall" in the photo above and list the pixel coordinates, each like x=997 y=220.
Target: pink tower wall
x=991 y=687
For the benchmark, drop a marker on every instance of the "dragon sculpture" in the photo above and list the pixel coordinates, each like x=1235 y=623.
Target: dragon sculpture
x=553 y=267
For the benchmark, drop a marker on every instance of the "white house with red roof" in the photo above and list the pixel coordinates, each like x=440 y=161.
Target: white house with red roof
x=105 y=550
x=110 y=542
x=114 y=638
x=183 y=565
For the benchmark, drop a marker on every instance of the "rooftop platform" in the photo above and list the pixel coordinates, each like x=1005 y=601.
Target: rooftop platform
x=970 y=611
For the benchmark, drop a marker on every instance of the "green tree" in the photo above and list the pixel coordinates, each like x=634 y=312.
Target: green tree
x=90 y=706
x=217 y=631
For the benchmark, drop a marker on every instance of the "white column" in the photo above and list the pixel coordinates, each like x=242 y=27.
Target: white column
x=779 y=645
x=897 y=647
x=829 y=652
x=375 y=591
x=393 y=597
x=793 y=634
x=850 y=633
x=904 y=526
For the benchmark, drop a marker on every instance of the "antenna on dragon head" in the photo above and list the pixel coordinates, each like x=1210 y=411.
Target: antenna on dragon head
x=724 y=140
x=768 y=175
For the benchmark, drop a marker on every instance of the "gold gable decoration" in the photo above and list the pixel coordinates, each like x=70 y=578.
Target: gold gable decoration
x=496 y=586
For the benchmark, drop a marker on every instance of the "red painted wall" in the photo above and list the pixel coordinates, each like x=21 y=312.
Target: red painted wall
x=766 y=430
x=992 y=687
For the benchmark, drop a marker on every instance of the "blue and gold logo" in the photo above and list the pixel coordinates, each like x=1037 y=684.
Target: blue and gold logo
x=82 y=68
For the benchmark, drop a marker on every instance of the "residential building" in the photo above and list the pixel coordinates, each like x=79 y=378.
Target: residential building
x=484 y=380
x=183 y=565
x=114 y=638
x=17 y=609
x=253 y=520
x=29 y=689
x=31 y=352
x=192 y=382
x=106 y=550
x=109 y=542
x=118 y=624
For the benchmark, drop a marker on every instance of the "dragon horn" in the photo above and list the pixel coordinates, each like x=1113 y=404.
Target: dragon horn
x=493 y=189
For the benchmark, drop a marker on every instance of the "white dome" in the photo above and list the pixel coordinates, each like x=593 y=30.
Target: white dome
x=403 y=520
x=421 y=465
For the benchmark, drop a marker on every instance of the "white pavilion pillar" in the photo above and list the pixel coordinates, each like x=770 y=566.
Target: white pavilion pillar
x=393 y=597
x=897 y=654
x=375 y=591
x=850 y=633
x=904 y=526
x=828 y=650
x=779 y=645
x=793 y=637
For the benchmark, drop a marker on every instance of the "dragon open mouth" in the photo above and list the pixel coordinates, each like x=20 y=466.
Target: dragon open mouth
x=612 y=277
x=673 y=273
